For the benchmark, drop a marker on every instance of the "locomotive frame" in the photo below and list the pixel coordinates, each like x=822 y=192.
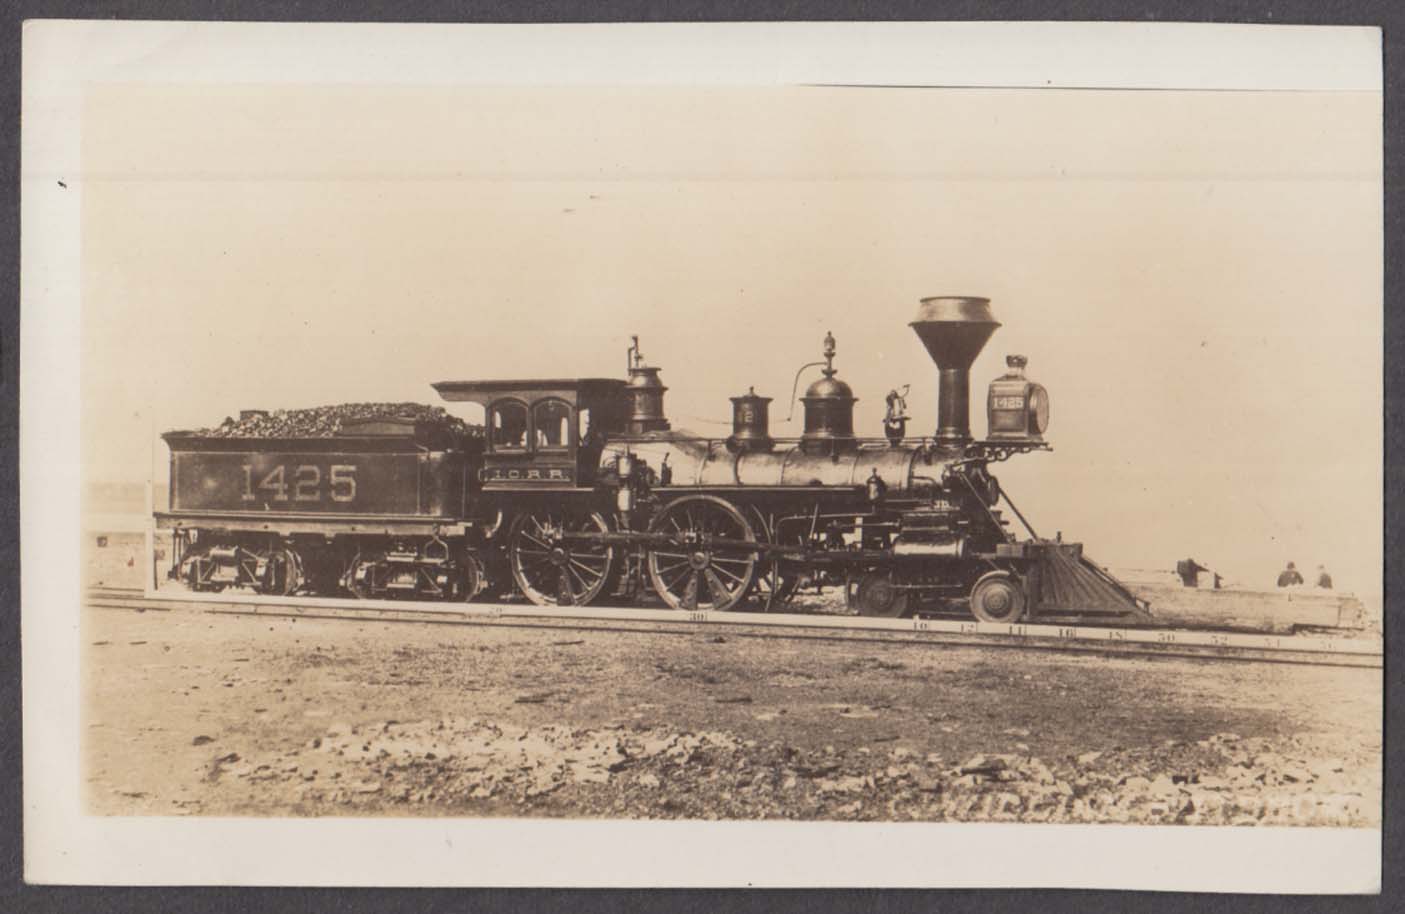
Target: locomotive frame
x=579 y=491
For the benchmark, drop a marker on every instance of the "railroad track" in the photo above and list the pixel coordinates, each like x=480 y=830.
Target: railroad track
x=1209 y=645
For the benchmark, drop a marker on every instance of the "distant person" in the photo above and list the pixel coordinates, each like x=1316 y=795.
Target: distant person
x=1189 y=571
x=895 y=420
x=1324 y=580
x=1289 y=576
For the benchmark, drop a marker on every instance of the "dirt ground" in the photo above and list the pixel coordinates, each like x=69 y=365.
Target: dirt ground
x=195 y=713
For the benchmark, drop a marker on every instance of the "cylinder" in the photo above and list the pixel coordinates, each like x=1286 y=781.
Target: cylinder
x=952 y=548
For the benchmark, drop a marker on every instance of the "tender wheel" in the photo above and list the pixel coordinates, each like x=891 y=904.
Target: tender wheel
x=707 y=564
x=191 y=572
x=282 y=575
x=552 y=568
x=198 y=571
x=876 y=594
x=359 y=578
x=495 y=570
x=472 y=578
x=998 y=597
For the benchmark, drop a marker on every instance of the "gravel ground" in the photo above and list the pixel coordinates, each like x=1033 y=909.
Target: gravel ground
x=191 y=713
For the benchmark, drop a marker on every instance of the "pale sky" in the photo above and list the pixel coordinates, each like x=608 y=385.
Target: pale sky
x=1195 y=276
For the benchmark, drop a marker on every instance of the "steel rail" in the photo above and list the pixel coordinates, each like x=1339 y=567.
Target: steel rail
x=1293 y=649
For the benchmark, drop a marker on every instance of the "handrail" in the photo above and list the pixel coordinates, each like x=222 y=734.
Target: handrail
x=790 y=416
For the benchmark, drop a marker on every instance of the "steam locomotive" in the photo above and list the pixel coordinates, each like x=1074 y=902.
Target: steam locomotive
x=579 y=490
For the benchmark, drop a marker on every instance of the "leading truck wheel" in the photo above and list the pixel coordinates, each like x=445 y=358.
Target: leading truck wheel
x=553 y=566
x=998 y=597
x=877 y=594
x=709 y=561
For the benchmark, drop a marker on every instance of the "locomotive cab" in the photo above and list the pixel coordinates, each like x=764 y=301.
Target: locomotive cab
x=542 y=434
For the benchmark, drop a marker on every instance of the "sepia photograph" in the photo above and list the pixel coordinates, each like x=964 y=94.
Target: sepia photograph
x=607 y=446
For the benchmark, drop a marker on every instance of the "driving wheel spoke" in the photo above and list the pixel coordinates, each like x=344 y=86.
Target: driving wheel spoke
x=720 y=591
x=716 y=569
x=690 y=591
x=577 y=563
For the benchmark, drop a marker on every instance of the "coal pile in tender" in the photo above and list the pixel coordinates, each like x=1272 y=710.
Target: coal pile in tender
x=327 y=421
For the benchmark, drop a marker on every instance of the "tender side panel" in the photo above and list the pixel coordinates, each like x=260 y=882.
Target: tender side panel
x=317 y=482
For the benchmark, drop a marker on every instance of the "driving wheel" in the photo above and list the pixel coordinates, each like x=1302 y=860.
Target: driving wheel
x=709 y=561
x=554 y=561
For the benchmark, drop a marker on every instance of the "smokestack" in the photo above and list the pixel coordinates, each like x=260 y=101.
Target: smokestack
x=955 y=330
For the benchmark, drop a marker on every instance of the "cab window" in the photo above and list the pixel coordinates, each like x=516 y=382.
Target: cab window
x=587 y=425
x=508 y=423
x=552 y=424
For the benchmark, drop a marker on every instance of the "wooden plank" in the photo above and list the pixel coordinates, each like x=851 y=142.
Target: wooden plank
x=1256 y=610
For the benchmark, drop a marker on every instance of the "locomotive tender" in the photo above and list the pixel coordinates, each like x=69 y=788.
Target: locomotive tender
x=579 y=490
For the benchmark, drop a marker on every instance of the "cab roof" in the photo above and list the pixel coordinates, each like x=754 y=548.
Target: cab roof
x=572 y=390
